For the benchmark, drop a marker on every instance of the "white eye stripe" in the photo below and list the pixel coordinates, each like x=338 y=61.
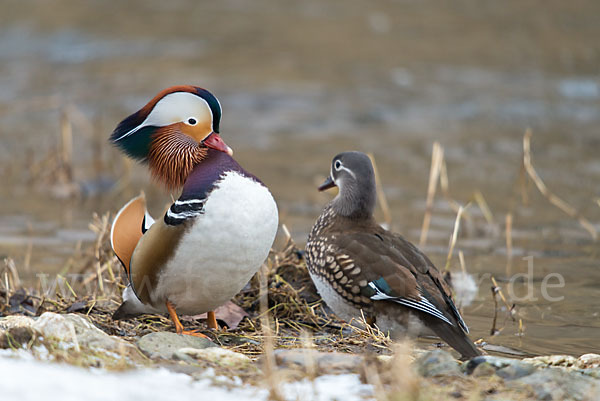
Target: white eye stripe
x=173 y=108
x=348 y=170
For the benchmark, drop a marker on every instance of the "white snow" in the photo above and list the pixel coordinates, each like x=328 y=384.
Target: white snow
x=31 y=380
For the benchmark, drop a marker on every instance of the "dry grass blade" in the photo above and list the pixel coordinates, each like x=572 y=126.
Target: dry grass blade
x=270 y=366
x=383 y=203
x=436 y=164
x=461 y=259
x=555 y=200
x=454 y=236
x=509 y=220
x=483 y=206
x=497 y=291
x=66 y=144
x=12 y=278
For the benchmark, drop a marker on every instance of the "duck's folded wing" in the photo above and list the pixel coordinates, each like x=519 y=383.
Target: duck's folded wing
x=130 y=223
x=395 y=275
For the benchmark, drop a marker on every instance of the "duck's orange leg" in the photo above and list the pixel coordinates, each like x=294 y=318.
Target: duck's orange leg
x=211 y=320
x=178 y=326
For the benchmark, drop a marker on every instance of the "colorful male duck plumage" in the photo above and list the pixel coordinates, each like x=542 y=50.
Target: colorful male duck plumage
x=357 y=265
x=214 y=237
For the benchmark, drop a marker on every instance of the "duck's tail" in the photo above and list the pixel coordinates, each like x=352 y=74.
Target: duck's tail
x=454 y=335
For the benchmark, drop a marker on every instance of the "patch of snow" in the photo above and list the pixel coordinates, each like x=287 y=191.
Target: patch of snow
x=31 y=380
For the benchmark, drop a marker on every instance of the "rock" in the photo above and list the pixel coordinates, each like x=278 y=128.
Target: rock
x=16 y=337
x=507 y=368
x=559 y=384
x=516 y=370
x=495 y=361
x=220 y=356
x=71 y=338
x=484 y=369
x=588 y=361
x=15 y=321
x=437 y=363
x=323 y=362
x=552 y=360
x=164 y=345
x=76 y=331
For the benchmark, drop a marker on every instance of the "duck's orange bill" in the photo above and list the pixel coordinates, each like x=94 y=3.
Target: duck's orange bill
x=214 y=141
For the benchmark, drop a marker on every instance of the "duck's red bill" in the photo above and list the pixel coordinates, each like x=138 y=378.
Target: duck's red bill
x=329 y=183
x=214 y=141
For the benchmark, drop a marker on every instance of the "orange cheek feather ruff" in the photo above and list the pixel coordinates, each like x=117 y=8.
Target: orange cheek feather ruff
x=173 y=156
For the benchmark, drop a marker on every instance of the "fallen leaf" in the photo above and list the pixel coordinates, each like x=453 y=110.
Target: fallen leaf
x=229 y=313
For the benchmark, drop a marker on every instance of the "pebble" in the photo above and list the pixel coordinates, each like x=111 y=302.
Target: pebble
x=559 y=384
x=516 y=371
x=220 y=356
x=437 y=363
x=16 y=337
x=323 y=362
x=70 y=332
x=484 y=370
x=588 y=361
x=552 y=360
x=164 y=344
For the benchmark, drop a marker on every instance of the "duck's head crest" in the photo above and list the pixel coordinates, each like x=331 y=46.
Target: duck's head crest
x=173 y=132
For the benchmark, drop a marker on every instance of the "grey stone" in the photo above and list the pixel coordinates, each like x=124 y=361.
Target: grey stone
x=164 y=345
x=552 y=360
x=484 y=370
x=559 y=384
x=74 y=337
x=73 y=330
x=516 y=370
x=323 y=362
x=495 y=361
x=588 y=361
x=595 y=373
x=12 y=321
x=437 y=363
x=16 y=337
x=216 y=355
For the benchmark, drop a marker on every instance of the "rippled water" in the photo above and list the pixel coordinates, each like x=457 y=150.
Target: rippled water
x=300 y=82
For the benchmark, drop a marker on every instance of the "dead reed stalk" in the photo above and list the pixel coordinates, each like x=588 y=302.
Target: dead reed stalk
x=509 y=220
x=553 y=199
x=270 y=366
x=497 y=291
x=383 y=203
x=454 y=236
x=483 y=206
x=437 y=157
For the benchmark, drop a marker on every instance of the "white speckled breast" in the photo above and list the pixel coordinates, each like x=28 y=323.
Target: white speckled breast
x=222 y=249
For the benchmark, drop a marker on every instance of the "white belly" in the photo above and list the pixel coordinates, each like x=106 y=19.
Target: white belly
x=222 y=249
x=342 y=308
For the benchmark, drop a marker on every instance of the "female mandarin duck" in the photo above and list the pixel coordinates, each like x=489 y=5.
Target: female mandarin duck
x=357 y=265
x=214 y=237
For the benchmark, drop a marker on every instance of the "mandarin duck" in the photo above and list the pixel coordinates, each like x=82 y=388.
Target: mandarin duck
x=214 y=237
x=357 y=265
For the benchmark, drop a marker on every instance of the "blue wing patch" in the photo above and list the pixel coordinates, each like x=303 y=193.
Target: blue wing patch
x=382 y=289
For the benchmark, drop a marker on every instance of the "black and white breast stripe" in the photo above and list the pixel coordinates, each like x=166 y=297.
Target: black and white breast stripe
x=183 y=210
x=422 y=305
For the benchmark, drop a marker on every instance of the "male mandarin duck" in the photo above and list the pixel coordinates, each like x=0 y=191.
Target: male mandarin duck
x=358 y=265
x=211 y=240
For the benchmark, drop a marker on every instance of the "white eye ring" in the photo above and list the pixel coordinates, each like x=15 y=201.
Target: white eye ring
x=337 y=165
x=192 y=121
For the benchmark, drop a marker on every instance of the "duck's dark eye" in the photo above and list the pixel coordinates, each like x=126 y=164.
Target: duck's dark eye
x=337 y=164
x=192 y=121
